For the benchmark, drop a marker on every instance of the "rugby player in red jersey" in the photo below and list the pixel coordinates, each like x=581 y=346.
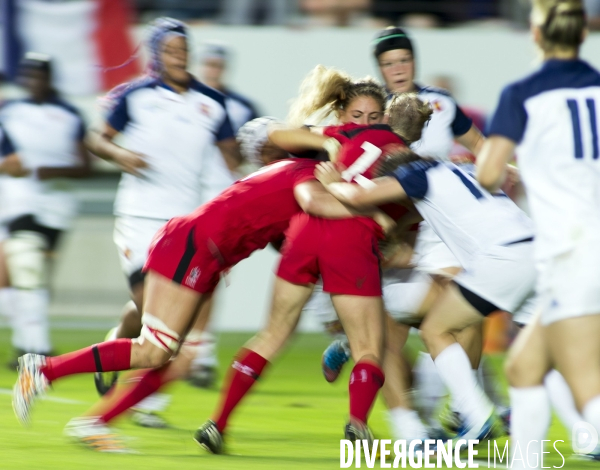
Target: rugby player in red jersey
x=184 y=264
x=345 y=253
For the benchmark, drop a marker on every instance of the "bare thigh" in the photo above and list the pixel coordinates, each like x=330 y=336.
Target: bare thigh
x=286 y=307
x=363 y=320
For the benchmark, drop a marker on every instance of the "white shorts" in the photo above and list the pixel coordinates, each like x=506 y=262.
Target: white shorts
x=503 y=275
x=431 y=253
x=404 y=293
x=569 y=284
x=133 y=236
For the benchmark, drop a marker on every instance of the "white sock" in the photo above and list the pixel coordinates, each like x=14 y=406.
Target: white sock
x=455 y=370
x=154 y=403
x=206 y=353
x=591 y=415
x=406 y=424
x=530 y=420
x=429 y=387
x=6 y=302
x=31 y=329
x=562 y=399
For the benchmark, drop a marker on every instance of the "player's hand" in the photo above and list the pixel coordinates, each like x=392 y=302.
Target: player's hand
x=327 y=173
x=131 y=162
x=512 y=175
x=332 y=147
x=12 y=166
x=386 y=223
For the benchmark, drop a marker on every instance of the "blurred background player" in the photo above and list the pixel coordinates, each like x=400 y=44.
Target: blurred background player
x=48 y=135
x=175 y=130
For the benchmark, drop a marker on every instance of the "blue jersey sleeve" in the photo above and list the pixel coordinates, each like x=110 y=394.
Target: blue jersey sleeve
x=462 y=123
x=413 y=178
x=510 y=117
x=6 y=145
x=119 y=115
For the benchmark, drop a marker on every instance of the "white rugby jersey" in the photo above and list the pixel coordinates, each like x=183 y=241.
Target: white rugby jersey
x=174 y=132
x=44 y=135
x=447 y=122
x=465 y=216
x=553 y=117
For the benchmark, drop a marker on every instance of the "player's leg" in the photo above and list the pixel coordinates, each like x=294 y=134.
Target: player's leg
x=527 y=364
x=364 y=323
x=250 y=361
x=453 y=313
x=27 y=251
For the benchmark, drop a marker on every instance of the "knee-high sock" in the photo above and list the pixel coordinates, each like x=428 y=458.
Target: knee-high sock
x=242 y=375
x=365 y=381
x=530 y=420
x=561 y=399
x=104 y=357
x=29 y=321
x=455 y=370
x=144 y=386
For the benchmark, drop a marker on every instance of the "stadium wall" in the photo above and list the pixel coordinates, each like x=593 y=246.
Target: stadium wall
x=269 y=64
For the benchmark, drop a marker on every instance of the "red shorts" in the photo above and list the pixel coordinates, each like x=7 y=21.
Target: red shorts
x=182 y=253
x=344 y=252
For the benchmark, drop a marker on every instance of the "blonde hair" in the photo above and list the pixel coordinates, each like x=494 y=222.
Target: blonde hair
x=330 y=90
x=407 y=116
x=561 y=22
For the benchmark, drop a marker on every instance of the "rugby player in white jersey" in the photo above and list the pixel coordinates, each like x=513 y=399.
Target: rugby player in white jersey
x=489 y=235
x=48 y=134
x=172 y=126
x=550 y=119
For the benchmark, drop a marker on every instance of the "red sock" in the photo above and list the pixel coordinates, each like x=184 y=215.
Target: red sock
x=365 y=381
x=240 y=378
x=109 y=356
x=145 y=386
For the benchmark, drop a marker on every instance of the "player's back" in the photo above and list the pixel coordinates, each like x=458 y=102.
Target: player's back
x=255 y=210
x=553 y=116
x=465 y=216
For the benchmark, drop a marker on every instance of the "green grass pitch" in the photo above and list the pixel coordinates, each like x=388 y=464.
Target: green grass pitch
x=293 y=420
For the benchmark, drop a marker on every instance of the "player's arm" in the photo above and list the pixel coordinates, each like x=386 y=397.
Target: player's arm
x=385 y=189
x=315 y=200
x=11 y=165
x=230 y=150
x=472 y=140
x=493 y=160
x=101 y=143
x=298 y=140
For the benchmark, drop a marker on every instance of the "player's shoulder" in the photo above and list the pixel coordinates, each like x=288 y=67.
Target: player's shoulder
x=210 y=92
x=239 y=98
x=133 y=87
x=433 y=91
x=65 y=106
x=553 y=75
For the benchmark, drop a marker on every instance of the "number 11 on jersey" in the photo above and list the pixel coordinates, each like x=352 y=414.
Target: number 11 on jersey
x=576 y=121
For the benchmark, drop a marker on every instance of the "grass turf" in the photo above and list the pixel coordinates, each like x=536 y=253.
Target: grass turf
x=293 y=420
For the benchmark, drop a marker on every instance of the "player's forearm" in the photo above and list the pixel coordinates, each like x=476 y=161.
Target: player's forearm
x=101 y=144
x=46 y=173
x=492 y=162
x=328 y=207
x=296 y=140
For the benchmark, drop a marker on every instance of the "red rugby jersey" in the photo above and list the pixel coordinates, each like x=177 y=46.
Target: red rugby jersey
x=254 y=210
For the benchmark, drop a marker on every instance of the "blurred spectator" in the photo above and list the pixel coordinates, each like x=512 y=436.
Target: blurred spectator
x=48 y=135
x=215 y=58
x=180 y=9
x=336 y=12
x=268 y=12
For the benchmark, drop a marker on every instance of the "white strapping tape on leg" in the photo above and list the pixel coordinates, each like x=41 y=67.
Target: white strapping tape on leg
x=159 y=334
x=192 y=343
x=26 y=259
